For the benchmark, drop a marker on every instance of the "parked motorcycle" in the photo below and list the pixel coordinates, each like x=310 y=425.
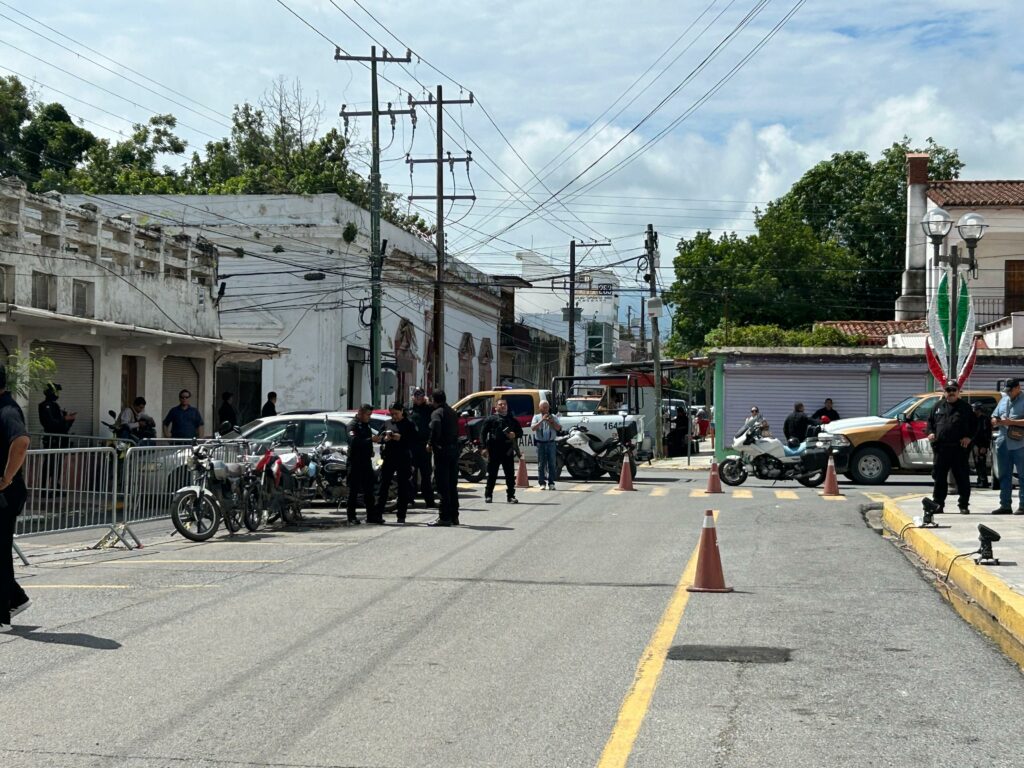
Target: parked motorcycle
x=472 y=464
x=220 y=491
x=586 y=456
x=286 y=479
x=768 y=458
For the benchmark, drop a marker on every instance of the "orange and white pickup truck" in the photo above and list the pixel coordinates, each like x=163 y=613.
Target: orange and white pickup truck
x=524 y=403
x=869 y=448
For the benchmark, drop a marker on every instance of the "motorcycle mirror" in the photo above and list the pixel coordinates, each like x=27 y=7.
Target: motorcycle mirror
x=111 y=414
x=224 y=428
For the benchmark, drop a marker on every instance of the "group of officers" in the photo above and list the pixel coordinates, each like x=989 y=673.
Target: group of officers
x=423 y=441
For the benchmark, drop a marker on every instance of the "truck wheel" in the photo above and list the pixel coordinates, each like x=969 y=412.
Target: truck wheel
x=870 y=466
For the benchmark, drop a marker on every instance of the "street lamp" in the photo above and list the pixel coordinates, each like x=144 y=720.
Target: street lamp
x=937 y=224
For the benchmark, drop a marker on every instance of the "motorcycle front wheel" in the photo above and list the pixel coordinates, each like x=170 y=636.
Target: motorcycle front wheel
x=195 y=517
x=252 y=507
x=472 y=467
x=732 y=472
x=580 y=467
x=812 y=480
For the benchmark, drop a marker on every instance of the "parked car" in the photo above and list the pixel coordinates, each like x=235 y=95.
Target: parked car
x=869 y=448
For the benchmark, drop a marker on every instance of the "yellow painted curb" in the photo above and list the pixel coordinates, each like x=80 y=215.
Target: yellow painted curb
x=997 y=610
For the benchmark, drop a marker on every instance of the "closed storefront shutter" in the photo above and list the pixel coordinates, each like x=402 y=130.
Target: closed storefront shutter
x=987 y=376
x=775 y=390
x=75 y=374
x=896 y=383
x=180 y=373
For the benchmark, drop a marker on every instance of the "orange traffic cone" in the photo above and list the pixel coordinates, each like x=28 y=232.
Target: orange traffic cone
x=626 y=476
x=522 y=479
x=709 y=564
x=714 y=481
x=831 y=480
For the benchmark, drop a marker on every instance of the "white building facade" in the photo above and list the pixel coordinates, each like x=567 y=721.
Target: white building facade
x=272 y=244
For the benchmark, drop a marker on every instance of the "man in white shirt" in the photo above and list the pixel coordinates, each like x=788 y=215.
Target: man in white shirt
x=545 y=428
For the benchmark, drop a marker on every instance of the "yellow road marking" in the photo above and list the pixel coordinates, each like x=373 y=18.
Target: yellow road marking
x=153 y=560
x=833 y=498
x=660 y=491
x=32 y=587
x=581 y=487
x=791 y=495
x=612 y=492
x=697 y=493
x=532 y=489
x=648 y=670
x=743 y=494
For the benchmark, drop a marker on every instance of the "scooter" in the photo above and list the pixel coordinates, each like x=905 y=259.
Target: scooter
x=768 y=458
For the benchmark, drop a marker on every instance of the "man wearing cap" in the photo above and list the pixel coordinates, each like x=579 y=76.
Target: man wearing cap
x=951 y=429
x=419 y=415
x=56 y=423
x=1008 y=418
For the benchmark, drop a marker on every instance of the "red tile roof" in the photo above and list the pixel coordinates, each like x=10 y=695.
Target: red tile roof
x=971 y=194
x=876 y=332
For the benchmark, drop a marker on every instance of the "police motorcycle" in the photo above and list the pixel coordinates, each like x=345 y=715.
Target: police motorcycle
x=586 y=456
x=472 y=464
x=768 y=458
x=219 y=491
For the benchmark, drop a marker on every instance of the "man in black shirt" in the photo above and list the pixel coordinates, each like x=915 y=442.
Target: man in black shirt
x=269 y=407
x=56 y=423
x=444 y=444
x=500 y=434
x=14 y=443
x=396 y=447
x=796 y=424
x=827 y=410
x=361 y=477
x=951 y=428
x=419 y=415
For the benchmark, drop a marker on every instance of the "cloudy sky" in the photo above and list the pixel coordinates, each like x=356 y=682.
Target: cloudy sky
x=565 y=82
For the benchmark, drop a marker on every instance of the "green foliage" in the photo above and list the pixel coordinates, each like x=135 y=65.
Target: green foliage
x=350 y=232
x=832 y=248
x=29 y=373
x=774 y=336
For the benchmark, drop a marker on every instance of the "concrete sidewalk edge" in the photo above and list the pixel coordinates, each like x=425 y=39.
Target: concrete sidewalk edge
x=984 y=600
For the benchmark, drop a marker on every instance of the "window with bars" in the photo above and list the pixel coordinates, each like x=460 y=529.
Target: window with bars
x=44 y=291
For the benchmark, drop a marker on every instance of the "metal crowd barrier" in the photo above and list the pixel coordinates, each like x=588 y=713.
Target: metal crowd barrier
x=68 y=488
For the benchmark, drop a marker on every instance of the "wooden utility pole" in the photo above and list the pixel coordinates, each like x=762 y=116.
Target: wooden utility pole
x=437 y=329
x=376 y=256
x=654 y=309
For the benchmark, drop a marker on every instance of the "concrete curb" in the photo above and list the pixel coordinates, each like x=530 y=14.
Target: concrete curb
x=982 y=598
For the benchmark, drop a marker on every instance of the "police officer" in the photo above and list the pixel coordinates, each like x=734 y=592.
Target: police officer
x=396 y=448
x=500 y=434
x=14 y=443
x=444 y=445
x=361 y=478
x=982 y=443
x=419 y=415
x=56 y=423
x=951 y=429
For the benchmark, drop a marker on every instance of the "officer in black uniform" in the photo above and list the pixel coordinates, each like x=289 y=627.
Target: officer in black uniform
x=396 y=447
x=419 y=415
x=500 y=434
x=361 y=478
x=56 y=423
x=444 y=445
x=951 y=429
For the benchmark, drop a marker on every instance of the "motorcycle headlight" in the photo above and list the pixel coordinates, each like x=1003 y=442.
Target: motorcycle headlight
x=836 y=441
x=121 y=445
x=191 y=463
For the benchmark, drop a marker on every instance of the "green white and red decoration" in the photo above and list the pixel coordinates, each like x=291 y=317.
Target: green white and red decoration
x=937 y=343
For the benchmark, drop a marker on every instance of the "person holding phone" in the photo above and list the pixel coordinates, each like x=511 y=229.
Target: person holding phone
x=545 y=427
x=14 y=443
x=500 y=433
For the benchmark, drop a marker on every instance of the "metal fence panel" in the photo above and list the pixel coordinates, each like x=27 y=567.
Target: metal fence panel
x=68 y=488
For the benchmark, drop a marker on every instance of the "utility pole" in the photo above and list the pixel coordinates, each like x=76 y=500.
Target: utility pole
x=572 y=314
x=376 y=256
x=654 y=309
x=437 y=330
x=643 y=326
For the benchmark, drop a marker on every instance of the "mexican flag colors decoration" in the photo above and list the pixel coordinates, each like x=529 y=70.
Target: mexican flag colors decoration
x=942 y=365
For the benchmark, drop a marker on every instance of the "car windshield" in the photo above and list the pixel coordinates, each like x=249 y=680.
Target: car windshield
x=581 y=405
x=896 y=410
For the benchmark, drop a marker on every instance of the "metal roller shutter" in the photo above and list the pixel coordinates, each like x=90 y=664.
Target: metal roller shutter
x=775 y=390
x=985 y=376
x=898 y=383
x=180 y=373
x=75 y=374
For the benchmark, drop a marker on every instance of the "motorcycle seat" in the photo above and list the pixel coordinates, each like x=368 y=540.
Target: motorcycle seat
x=794 y=451
x=234 y=470
x=600 y=447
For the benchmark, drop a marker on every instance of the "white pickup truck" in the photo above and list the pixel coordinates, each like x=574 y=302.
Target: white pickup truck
x=524 y=403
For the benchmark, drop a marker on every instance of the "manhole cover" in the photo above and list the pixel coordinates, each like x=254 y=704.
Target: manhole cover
x=739 y=654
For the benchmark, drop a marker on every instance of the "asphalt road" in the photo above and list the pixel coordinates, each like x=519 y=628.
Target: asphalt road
x=534 y=635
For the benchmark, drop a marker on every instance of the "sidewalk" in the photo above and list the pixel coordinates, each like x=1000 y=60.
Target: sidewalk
x=697 y=463
x=990 y=597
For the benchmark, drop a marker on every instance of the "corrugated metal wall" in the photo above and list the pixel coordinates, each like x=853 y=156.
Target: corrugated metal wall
x=898 y=382
x=76 y=375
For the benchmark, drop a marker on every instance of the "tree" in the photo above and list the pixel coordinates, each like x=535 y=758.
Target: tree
x=29 y=373
x=51 y=145
x=831 y=248
x=15 y=109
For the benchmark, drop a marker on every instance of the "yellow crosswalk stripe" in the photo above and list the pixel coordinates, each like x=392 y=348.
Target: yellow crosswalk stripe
x=612 y=492
x=833 y=498
x=660 y=491
x=791 y=495
x=581 y=487
x=697 y=493
x=742 y=494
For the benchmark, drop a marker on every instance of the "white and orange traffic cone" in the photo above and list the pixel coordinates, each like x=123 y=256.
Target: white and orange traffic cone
x=626 y=476
x=714 y=481
x=831 y=480
x=709 y=576
x=522 y=479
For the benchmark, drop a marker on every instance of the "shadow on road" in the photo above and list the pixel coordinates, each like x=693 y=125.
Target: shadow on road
x=79 y=639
